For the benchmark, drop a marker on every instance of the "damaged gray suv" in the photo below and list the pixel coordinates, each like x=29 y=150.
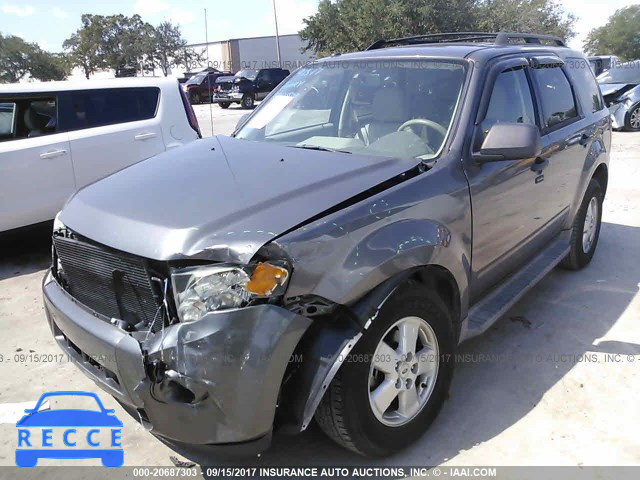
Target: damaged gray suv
x=377 y=209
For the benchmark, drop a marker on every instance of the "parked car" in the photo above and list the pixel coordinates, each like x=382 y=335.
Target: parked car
x=602 y=63
x=57 y=137
x=201 y=86
x=247 y=86
x=325 y=261
x=621 y=89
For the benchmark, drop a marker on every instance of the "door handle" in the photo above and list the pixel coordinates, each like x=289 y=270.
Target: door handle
x=540 y=164
x=581 y=139
x=145 y=136
x=52 y=154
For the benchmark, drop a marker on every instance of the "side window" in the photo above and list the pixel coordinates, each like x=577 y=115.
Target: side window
x=511 y=101
x=586 y=89
x=265 y=75
x=7 y=120
x=28 y=117
x=96 y=108
x=556 y=96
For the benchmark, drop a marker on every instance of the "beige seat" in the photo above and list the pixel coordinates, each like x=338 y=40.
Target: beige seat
x=390 y=110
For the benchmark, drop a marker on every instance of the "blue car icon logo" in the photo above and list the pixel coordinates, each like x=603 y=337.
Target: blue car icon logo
x=82 y=433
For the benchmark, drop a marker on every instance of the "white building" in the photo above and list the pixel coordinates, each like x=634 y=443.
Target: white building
x=255 y=53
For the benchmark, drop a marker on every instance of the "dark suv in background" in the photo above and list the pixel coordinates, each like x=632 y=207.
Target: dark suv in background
x=379 y=208
x=247 y=86
x=200 y=87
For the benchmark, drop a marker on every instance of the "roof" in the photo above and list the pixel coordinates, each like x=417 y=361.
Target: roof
x=37 y=87
x=475 y=50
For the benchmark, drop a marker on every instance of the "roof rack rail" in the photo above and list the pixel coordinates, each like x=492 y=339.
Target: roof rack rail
x=499 y=38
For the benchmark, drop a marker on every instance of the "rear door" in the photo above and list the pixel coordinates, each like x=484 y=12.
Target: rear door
x=36 y=175
x=264 y=83
x=566 y=131
x=110 y=129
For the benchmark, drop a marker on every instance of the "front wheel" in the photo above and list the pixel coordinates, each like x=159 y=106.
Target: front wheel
x=586 y=228
x=195 y=98
x=632 y=119
x=224 y=105
x=247 y=100
x=395 y=380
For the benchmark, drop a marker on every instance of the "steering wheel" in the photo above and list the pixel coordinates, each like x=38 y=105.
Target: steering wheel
x=424 y=122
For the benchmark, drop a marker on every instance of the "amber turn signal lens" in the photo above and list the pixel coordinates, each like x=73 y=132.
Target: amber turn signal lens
x=265 y=279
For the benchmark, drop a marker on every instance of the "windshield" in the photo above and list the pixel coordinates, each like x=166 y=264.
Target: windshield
x=248 y=74
x=621 y=73
x=197 y=78
x=386 y=108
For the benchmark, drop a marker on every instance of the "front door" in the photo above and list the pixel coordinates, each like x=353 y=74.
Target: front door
x=36 y=176
x=512 y=214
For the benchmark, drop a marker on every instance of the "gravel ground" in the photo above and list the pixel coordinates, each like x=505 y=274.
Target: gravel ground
x=554 y=382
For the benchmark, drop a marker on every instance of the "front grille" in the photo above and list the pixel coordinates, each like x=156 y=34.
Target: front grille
x=113 y=284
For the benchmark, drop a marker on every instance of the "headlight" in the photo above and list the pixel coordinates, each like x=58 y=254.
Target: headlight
x=200 y=290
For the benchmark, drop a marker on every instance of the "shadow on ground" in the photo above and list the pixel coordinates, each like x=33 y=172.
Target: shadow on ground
x=25 y=251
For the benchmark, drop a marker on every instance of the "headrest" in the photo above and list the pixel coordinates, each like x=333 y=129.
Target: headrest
x=389 y=105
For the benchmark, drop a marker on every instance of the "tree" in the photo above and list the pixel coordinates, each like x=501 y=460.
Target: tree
x=85 y=44
x=14 y=58
x=19 y=58
x=47 y=66
x=125 y=42
x=345 y=25
x=168 y=43
x=115 y=41
x=526 y=16
x=618 y=37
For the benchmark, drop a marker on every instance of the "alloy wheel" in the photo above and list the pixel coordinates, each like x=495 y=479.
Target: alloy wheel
x=590 y=225
x=403 y=372
x=634 y=119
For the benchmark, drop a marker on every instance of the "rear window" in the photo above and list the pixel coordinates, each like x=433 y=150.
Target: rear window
x=556 y=96
x=96 y=108
x=585 y=84
x=26 y=117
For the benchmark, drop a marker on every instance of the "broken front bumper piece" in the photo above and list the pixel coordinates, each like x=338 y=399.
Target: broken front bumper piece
x=213 y=381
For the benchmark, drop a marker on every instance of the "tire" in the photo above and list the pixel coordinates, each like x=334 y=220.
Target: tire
x=224 y=105
x=195 y=99
x=247 y=100
x=632 y=119
x=582 y=249
x=346 y=413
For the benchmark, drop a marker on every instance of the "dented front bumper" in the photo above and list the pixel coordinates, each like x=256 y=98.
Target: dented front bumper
x=214 y=381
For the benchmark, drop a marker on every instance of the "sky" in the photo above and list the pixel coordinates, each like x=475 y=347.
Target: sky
x=50 y=22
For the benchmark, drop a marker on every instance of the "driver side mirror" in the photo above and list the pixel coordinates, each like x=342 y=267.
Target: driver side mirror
x=509 y=141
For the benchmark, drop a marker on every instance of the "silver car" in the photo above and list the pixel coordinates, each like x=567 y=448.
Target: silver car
x=324 y=262
x=620 y=87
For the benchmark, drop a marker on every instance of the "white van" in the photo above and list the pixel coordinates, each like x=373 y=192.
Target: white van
x=57 y=137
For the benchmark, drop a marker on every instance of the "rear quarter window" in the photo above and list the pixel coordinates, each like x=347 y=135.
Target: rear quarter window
x=585 y=84
x=556 y=96
x=100 y=107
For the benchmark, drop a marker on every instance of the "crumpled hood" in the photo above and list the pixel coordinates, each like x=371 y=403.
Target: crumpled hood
x=611 y=88
x=219 y=198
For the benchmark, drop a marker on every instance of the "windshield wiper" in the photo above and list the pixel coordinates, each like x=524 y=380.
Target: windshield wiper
x=319 y=148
